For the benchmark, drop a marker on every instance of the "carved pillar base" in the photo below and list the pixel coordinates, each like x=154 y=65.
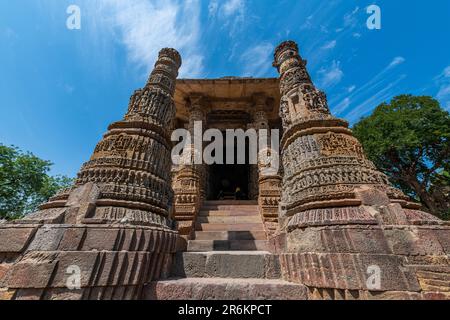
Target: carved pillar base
x=269 y=198
x=188 y=198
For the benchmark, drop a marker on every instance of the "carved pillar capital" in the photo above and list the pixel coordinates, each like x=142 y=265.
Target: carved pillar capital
x=259 y=111
x=198 y=106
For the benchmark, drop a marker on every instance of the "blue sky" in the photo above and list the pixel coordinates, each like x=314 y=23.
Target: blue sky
x=60 y=88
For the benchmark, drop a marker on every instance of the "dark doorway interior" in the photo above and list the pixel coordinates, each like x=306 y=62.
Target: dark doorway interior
x=226 y=179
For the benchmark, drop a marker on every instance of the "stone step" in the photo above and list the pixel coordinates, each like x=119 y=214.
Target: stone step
x=231 y=202
x=230 y=235
x=433 y=277
x=226 y=245
x=230 y=208
x=230 y=219
x=230 y=213
x=224 y=289
x=227 y=264
x=229 y=227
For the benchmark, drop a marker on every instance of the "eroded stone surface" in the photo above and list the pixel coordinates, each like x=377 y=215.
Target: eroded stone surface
x=225 y=289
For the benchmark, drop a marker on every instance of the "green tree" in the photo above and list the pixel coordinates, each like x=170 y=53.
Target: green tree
x=408 y=139
x=25 y=183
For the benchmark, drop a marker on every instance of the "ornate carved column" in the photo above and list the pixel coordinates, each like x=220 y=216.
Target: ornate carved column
x=323 y=163
x=264 y=187
x=340 y=215
x=132 y=162
x=189 y=180
x=117 y=215
x=259 y=121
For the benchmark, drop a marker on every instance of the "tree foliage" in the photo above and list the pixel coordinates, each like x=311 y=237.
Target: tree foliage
x=25 y=183
x=408 y=139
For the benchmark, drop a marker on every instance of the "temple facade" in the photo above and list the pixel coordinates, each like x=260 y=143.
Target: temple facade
x=226 y=104
x=324 y=224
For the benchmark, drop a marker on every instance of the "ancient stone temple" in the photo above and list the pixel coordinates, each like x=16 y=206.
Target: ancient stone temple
x=325 y=225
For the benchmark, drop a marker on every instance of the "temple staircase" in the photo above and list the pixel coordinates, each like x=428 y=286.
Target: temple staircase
x=229 y=225
x=228 y=259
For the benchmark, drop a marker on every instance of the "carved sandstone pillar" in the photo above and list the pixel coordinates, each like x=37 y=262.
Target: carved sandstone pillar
x=190 y=179
x=323 y=163
x=114 y=225
x=264 y=187
x=341 y=217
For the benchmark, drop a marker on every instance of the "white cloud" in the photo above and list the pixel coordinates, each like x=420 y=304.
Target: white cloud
x=146 y=27
x=232 y=7
x=443 y=82
x=257 y=60
x=375 y=99
x=307 y=24
x=344 y=104
x=330 y=76
x=373 y=88
x=231 y=14
x=350 y=19
x=444 y=91
x=324 y=29
x=213 y=7
x=447 y=72
x=396 y=61
x=330 y=45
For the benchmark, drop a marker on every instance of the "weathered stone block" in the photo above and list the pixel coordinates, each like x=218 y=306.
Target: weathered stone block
x=189 y=265
x=29 y=294
x=370 y=196
x=245 y=266
x=87 y=193
x=100 y=239
x=443 y=236
x=278 y=243
x=4 y=268
x=88 y=263
x=392 y=214
x=335 y=239
x=29 y=275
x=72 y=239
x=49 y=216
x=413 y=241
x=305 y=240
x=224 y=289
x=14 y=239
x=47 y=238
x=355 y=239
x=348 y=271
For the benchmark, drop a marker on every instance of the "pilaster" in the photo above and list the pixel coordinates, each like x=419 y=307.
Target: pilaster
x=189 y=181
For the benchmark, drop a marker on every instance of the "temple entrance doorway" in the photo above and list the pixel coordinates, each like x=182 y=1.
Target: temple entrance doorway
x=230 y=181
